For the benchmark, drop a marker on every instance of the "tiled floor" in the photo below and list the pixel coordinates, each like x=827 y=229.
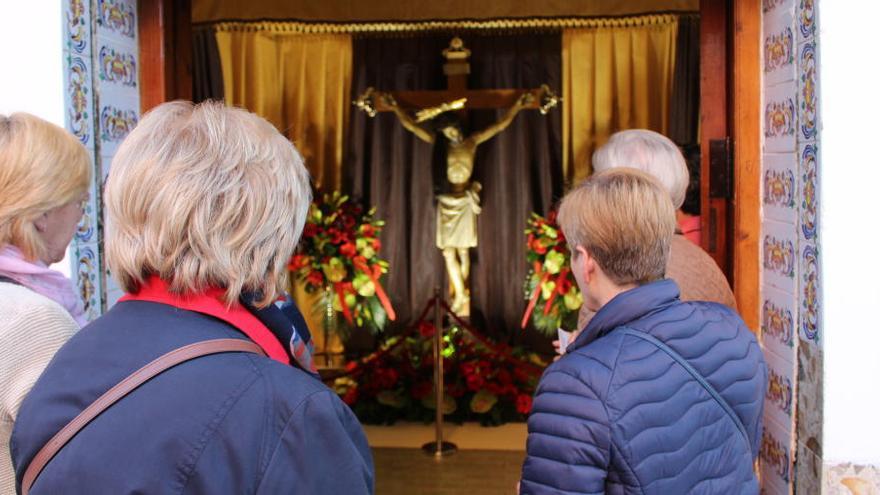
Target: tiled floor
x=471 y=472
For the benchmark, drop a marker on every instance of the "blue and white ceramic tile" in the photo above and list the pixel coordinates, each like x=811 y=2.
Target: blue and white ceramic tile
x=808 y=92
x=77 y=26
x=88 y=278
x=780 y=187
x=808 y=170
x=780 y=256
x=779 y=323
x=810 y=294
x=806 y=20
x=780 y=118
x=116 y=68
x=79 y=99
x=115 y=120
x=117 y=20
x=87 y=229
x=779 y=49
x=776 y=7
x=779 y=399
x=776 y=457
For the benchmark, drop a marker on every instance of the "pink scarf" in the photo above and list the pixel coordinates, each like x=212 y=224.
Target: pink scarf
x=40 y=279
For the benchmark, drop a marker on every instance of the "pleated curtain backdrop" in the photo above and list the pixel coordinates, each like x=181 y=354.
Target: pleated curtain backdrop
x=614 y=77
x=301 y=83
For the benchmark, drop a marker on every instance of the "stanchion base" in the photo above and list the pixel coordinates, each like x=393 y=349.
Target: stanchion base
x=446 y=448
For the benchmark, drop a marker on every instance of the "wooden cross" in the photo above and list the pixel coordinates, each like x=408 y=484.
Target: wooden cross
x=456 y=69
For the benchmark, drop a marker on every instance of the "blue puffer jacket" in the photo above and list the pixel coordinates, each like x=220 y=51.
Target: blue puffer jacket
x=230 y=423
x=617 y=414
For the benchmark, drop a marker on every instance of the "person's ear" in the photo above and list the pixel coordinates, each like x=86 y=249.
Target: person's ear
x=42 y=223
x=589 y=264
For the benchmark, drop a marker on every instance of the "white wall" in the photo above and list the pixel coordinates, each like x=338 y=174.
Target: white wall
x=850 y=229
x=31 y=57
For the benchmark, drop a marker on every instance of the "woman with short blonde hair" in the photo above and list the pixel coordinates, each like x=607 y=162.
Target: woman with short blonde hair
x=205 y=206
x=44 y=180
x=205 y=196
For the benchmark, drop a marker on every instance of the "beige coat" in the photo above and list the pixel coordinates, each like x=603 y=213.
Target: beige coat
x=32 y=329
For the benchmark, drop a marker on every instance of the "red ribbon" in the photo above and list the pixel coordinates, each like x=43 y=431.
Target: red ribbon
x=534 y=300
x=340 y=291
x=361 y=264
x=556 y=291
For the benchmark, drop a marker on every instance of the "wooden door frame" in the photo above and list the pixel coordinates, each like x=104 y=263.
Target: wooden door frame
x=165 y=51
x=730 y=99
x=746 y=112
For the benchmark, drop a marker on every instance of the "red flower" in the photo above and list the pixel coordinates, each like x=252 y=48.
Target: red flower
x=297 y=262
x=337 y=236
x=468 y=369
x=368 y=230
x=563 y=285
x=538 y=247
x=310 y=230
x=351 y=396
x=377 y=244
x=348 y=250
x=474 y=382
x=351 y=366
x=426 y=329
x=523 y=404
x=348 y=221
x=315 y=278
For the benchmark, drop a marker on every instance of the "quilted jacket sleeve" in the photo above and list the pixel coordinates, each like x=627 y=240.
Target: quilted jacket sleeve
x=569 y=444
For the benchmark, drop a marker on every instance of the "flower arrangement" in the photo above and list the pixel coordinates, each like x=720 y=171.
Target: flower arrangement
x=485 y=382
x=550 y=287
x=339 y=257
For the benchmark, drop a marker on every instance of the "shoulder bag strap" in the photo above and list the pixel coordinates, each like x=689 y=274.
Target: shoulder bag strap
x=697 y=376
x=122 y=389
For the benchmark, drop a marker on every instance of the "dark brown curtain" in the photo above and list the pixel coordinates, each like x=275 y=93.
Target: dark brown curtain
x=520 y=170
x=207 y=75
x=684 y=105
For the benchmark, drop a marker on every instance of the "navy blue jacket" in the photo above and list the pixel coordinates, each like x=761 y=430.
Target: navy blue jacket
x=616 y=414
x=229 y=423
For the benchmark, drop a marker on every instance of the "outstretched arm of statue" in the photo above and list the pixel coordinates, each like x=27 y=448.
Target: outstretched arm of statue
x=406 y=119
x=490 y=132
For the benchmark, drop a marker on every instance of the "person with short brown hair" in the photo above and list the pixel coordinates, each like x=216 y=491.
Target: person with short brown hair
x=656 y=395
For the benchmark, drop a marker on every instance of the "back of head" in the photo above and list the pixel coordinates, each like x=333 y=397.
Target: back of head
x=624 y=219
x=42 y=167
x=205 y=196
x=649 y=152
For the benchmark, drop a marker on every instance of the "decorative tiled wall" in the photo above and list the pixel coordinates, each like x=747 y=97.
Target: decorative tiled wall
x=102 y=106
x=791 y=291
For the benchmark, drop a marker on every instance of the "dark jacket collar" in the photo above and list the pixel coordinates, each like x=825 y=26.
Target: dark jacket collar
x=628 y=306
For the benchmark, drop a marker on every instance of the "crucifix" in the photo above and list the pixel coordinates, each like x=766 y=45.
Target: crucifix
x=439 y=115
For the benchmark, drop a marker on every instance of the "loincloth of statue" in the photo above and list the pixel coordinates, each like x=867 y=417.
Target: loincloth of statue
x=457 y=218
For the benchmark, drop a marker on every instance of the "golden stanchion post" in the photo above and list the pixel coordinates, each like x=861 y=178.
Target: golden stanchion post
x=438 y=448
